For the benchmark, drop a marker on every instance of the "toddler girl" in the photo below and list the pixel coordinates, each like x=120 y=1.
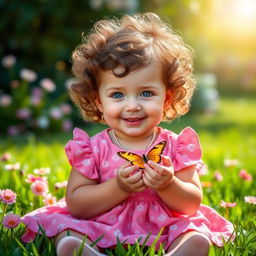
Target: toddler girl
x=133 y=178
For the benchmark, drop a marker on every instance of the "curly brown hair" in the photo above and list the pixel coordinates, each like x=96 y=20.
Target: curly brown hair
x=132 y=42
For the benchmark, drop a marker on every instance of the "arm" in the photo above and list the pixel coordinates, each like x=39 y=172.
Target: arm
x=181 y=191
x=184 y=193
x=86 y=198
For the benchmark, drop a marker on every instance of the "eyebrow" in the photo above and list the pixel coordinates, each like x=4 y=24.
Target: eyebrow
x=141 y=88
x=115 y=88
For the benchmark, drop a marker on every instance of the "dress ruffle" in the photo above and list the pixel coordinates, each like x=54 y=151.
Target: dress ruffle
x=80 y=154
x=186 y=150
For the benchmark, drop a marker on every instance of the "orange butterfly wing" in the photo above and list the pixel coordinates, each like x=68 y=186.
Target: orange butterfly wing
x=134 y=159
x=155 y=153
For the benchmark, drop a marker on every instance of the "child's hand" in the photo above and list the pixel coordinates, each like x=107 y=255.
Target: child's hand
x=129 y=180
x=158 y=176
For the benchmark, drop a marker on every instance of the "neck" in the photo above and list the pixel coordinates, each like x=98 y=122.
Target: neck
x=135 y=143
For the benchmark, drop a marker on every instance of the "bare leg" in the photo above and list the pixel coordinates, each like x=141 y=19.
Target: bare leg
x=190 y=244
x=67 y=245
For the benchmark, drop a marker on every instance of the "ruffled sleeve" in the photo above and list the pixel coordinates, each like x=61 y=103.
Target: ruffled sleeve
x=186 y=150
x=80 y=154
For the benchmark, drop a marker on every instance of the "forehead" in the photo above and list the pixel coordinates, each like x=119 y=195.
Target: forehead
x=146 y=75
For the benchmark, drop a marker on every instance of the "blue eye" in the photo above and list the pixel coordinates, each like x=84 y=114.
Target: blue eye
x=117 y=95
x=146 y=94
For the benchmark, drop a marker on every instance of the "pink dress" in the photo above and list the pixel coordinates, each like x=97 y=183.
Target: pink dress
x=141 y=213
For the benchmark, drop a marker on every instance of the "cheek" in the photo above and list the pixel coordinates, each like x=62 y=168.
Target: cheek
x=111 y=111
x=156 y=107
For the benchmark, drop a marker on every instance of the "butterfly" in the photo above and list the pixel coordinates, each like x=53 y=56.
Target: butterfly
x=154 y=155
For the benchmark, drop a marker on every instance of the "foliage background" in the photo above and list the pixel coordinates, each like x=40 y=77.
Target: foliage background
x=43 y=33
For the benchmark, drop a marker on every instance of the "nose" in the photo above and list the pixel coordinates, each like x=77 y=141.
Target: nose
x=132 y=104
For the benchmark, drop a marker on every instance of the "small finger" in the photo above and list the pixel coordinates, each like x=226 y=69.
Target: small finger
x=135 y=177
x=149 y=179
x=160 y=169
x=141 y=189
x=139 y=184
x=128 y=170
x=153 y=169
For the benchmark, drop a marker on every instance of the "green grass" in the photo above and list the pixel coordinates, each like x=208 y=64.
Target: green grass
x=230 y=134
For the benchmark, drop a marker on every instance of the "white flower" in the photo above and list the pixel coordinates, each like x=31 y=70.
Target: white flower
x=5 y=100
x=42 y=171
x=43 y=122
x=231 y=162
x=48 y=85
x=8 y=61
x=250 y=199
x=12 y=167
x=69 y=82
x=28 y=75
x=49 y=199
x=96 y=4
x=56 y=113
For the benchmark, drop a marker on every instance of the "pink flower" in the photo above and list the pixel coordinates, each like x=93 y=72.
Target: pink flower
x=48 y=85
x=42 y=171
x=67 y=125
x=13 y=130
x=56 y=113
x=31 y=178
x=35 y=101
x=62 y=184
x=37 y=92
x=245 y=175
x=39 y=188
x=7 y=196
x=8 y=61
x=28 y=75
x=231 y=162
x=65 y=108
x=227 y=204
x=5 y=100
x=218 y=176
x=12 y=167
x=250 y=199
x=23 y=113
x=5 y=157
x=11 y=220
x=49 y=199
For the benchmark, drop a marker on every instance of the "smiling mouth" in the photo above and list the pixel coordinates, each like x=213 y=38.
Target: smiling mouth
x=133 y=119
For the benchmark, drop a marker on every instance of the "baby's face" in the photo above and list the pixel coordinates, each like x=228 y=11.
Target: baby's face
x=132 y=105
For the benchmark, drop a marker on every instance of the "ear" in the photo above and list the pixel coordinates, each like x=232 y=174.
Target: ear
x=168 y=98
x=98 y=103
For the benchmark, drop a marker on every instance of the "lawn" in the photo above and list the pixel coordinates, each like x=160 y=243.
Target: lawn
x=228 y=140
